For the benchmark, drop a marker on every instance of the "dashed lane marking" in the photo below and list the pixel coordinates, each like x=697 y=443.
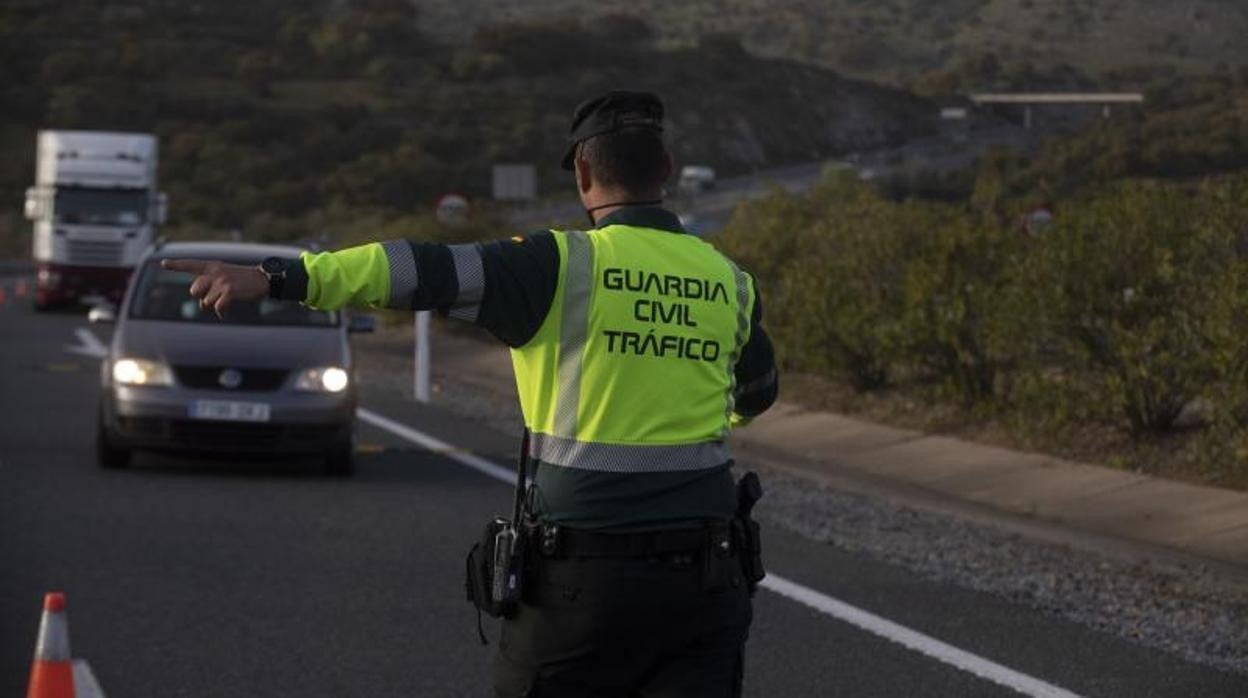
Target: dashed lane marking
x=62 y=367
x=88 y=344
x=864 y=620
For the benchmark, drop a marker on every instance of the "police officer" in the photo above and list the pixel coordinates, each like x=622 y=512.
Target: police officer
x=636 y=347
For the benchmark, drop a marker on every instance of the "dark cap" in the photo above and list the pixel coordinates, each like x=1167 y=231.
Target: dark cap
x=614 y=111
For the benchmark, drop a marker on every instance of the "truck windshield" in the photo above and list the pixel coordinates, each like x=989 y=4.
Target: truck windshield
x=165 y=295
x=100 y=206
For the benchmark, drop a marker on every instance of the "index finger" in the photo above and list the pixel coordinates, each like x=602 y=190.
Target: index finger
x=193 y=266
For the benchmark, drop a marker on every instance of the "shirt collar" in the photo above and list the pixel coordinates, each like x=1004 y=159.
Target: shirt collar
x=653 y=217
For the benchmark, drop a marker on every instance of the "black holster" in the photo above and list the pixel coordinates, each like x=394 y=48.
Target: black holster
x=495 y=569
x=745 y=531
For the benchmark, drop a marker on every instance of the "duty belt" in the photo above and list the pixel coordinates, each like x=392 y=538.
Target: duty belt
x=559 y=542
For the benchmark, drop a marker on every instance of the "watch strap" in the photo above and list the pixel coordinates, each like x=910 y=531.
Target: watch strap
x=277 y=284
x=292 y=284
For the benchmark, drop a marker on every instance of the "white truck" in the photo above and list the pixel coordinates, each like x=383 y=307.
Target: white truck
x=95 y=208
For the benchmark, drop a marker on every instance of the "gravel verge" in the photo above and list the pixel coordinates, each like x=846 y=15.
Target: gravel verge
x=1187 y=610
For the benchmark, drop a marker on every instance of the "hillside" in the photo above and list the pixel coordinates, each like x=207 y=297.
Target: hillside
x=904 y=42
x=269 y=117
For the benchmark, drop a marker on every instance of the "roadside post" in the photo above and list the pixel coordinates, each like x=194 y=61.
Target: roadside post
x=420 y=377
x=451 y=209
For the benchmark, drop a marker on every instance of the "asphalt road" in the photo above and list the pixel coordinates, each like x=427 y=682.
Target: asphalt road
x=202 y=578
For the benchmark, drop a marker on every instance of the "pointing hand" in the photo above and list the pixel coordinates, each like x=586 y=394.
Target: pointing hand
x=217 y=284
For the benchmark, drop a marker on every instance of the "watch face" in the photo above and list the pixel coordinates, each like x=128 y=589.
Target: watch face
x=273 y=265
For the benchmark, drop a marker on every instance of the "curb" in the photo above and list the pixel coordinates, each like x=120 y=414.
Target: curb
x=1197 y=522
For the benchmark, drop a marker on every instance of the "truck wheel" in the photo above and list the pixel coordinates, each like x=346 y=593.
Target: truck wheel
x=108 y=455
x=340 y=461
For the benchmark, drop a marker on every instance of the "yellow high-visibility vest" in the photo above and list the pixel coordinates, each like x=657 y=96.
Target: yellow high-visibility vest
x=632 y=369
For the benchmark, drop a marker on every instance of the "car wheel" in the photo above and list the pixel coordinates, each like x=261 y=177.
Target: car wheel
x=107 y=454
x=341 y=460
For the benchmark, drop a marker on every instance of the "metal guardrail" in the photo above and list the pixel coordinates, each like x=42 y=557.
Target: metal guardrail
x=16 y=266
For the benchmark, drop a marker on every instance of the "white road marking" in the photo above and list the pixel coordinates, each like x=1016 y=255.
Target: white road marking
x=864 y=620
x=422 y=439
x=85 y=685
x=914 y=640
x=88 y=344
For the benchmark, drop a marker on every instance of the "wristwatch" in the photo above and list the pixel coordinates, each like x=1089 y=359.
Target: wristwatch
x=275 y=269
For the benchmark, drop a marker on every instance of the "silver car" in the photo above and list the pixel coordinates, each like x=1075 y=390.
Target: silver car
x=271 y=378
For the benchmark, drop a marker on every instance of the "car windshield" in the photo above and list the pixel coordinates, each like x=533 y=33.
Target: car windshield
x=165 y=295
x=100 y=206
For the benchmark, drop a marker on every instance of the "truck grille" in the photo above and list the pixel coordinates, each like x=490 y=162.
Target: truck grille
x=209 y=377
x=96 y=253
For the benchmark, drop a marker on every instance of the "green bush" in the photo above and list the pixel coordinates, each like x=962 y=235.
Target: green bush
x=1128 y=308
x=764 y=237
x=1225 y=446
x=1131 y=288
x=847 y=282
x=859 y=287
x=961 y=322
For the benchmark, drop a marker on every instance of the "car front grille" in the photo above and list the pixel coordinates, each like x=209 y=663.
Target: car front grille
x=143 y=427
x=209 y=378
x=224 y=436
x=245 y=437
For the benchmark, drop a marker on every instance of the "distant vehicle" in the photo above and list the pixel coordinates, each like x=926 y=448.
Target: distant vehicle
x=695 y=179
x=272 y=377
x=95 y=207
x=695 y=224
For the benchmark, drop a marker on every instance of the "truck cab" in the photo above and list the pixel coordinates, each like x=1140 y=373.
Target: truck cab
x=94 y=208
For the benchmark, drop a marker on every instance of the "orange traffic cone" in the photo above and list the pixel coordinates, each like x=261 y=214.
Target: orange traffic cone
x=52 y=674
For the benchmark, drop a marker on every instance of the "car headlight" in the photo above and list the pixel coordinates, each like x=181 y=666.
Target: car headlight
x=141 y=372
x=323 y=380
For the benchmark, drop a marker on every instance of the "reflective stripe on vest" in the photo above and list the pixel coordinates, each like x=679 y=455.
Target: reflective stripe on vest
x=742 y=283
x=632 y=370
x=627 y=458
x=573 y=330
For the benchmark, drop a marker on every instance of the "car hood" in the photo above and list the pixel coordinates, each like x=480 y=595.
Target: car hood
x=239 y=346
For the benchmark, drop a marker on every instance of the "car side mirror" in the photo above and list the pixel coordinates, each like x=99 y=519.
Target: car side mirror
x=35 y=207
x=362 y=324
x=102 y=314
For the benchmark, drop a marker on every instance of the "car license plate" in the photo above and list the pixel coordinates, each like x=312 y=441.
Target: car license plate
x=230 y=411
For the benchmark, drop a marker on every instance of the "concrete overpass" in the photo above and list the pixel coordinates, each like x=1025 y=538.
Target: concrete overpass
x=1030 y=99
